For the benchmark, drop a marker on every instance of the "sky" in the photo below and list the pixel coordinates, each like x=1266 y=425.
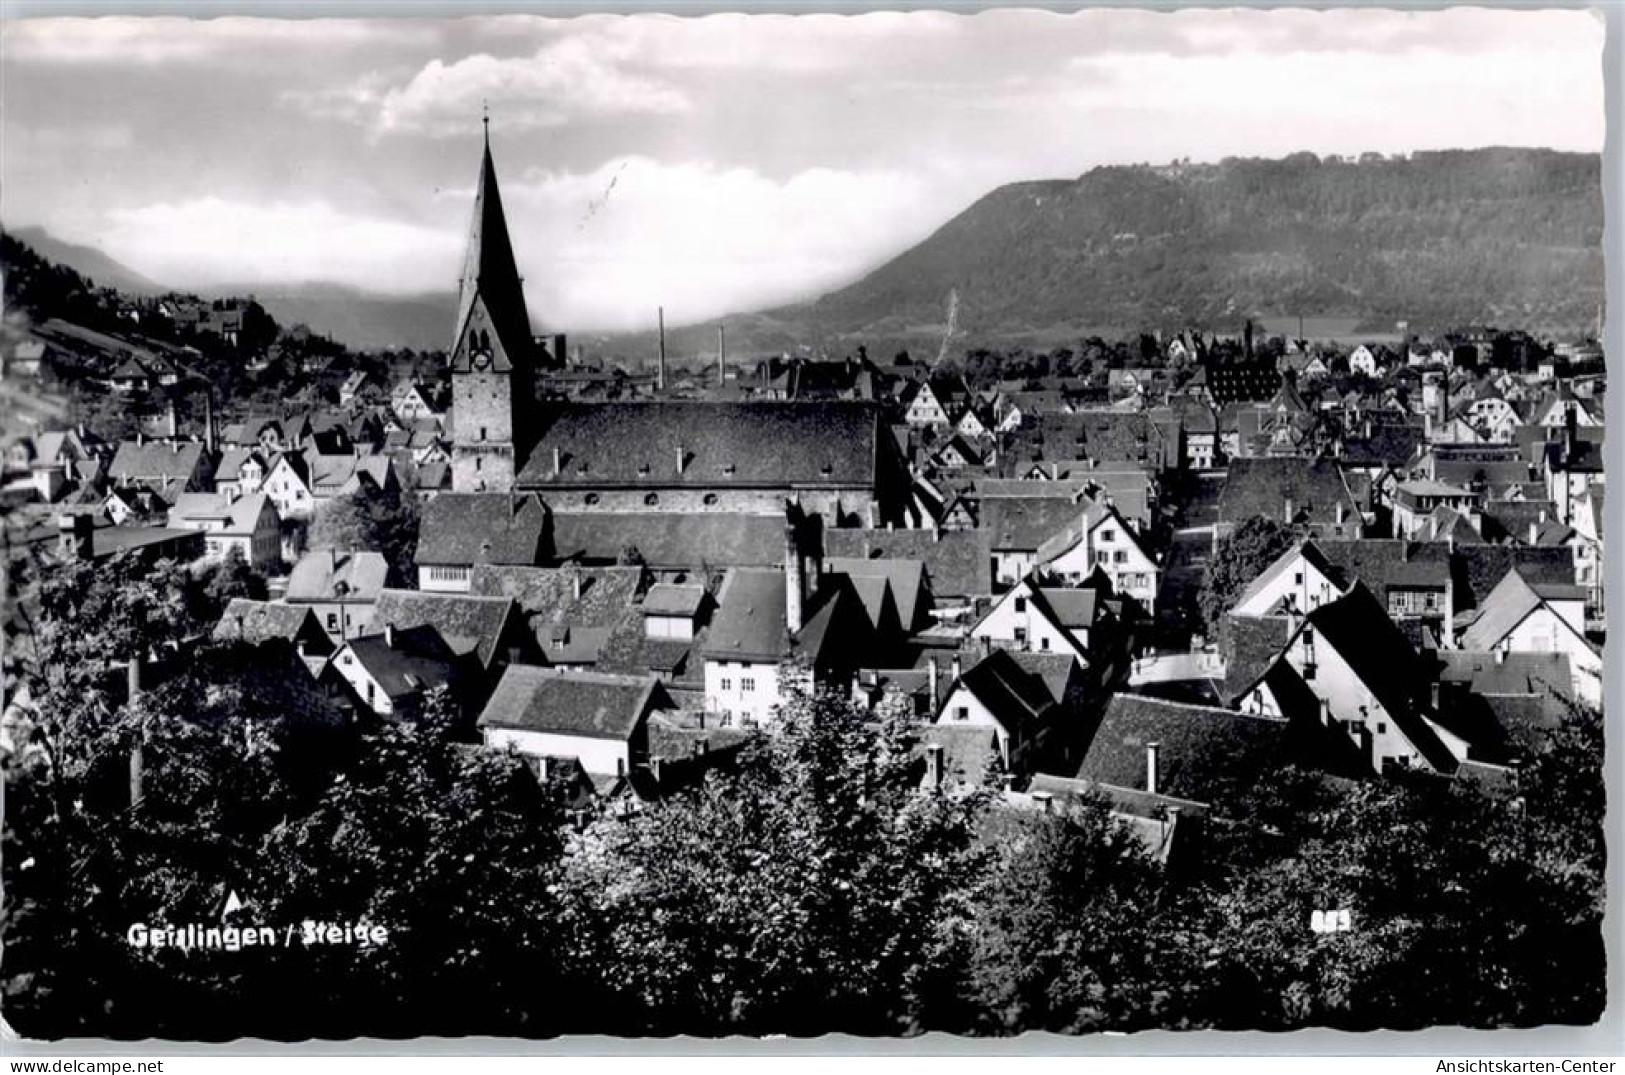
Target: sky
x=711 y=165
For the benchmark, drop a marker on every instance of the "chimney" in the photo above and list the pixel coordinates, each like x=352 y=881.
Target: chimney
x=1534 y=533
x=722 y=357
x=1342 y=511
x=1151 y=774
x=171 y=421
x=933 y=766
x=954 y=667
x=682 y=457
x=1543 y=516
x=1500 y=655
x=558 y=462
x=1044 y=800
x=1433 y=695
x=655 y=767
x=1289 y=513
x=702 y=746
x=931 y=671
x=794 y=583
x=660 y=381
x=575 y=581
x=389 y=635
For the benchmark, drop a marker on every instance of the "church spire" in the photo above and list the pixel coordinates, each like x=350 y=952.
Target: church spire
x=489 y=271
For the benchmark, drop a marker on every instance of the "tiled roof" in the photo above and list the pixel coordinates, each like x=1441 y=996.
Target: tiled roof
x=1025 y=523
x=240 y=515
x=588 y=704
x=155 y=459
x=750 y=621
x=260 y=621
x=675 y=541
x=468 y=623
x=1262 y=486
x=1512 y=600
x=549 y=594
x=1242 y=382
x=671 y=599
x=407 y=662
x=957 y=562
x=1251 y=644
x=904 y=578
x=330 y=575
x=1200 y=750
x=482 y=528
x=773 y=444
x=1507 y=673
x=1018 y=699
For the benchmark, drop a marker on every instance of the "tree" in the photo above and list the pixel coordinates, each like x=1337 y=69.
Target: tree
x=379 y=520
x=1241 y=556
x=811 y=890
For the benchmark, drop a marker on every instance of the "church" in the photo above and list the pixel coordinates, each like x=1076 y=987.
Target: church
x=835 y=458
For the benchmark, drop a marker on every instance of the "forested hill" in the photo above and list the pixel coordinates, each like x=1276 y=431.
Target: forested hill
x=1507 y=236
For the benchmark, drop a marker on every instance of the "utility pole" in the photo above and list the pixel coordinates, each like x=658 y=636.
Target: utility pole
x=722 y=356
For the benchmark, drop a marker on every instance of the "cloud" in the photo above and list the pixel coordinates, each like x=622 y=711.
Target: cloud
x=576 y=77
x=152 y=42
x=602 y=249
x=211 y=240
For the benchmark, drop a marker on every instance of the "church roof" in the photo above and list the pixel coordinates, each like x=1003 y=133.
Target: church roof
x=489 y=271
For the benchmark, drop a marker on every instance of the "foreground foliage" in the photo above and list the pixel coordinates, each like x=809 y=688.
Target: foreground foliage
x=812 y=887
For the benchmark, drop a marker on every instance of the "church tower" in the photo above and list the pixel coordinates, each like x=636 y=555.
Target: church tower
x=493 y=359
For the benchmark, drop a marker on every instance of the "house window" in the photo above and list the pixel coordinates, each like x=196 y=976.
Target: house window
x=1103 y=557
x=961 y=712
x=1021 y=604
x=1297 y=578
x=1108 y=536
x=1120 y=557
x=652 y=499
x=590 y=499
x=727 y=684
x=747 y=683
x=710 y=500
x=1043 y=644
x=1021 y=635
x=332 y=621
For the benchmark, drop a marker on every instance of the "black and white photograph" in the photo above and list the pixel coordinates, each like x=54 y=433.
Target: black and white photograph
x=756 y=526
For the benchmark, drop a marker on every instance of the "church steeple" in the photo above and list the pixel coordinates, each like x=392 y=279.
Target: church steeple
x=489 y=271
x=493 y=359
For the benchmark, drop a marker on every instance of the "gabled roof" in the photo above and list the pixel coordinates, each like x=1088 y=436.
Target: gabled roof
x=468 y=623
x=1508 y=605
x=155 y=460
x=1025 y=523
x=1262 y=486
x=406 y=662
x=750 y=622
x=905 y=579
x=482 y=528
x=240 y=515
x=1201 y=750
x=1018 y=699
x=260 y=621
x=592 y=705
x=957 y=562
x=337 y=575
x=751 y=444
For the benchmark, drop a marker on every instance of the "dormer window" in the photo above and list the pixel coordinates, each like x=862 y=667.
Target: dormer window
x=729 y=469
x=643 y=469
